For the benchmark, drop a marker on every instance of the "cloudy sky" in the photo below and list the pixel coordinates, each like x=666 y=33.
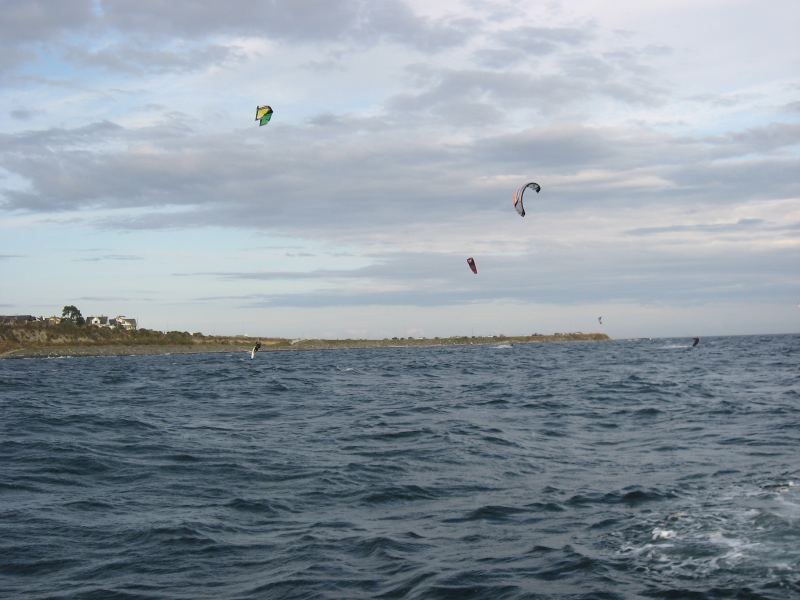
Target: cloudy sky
x=665 y=135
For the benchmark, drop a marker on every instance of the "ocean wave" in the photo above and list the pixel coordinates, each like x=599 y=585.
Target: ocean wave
x=574 y=471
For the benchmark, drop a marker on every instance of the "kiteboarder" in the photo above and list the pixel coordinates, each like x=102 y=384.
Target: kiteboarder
x=695 y=341
x=255 y=349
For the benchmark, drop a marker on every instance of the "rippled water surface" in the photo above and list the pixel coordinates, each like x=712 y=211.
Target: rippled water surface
x=628 y=469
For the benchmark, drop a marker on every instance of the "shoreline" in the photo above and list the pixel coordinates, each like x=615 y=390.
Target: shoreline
x=97 y=350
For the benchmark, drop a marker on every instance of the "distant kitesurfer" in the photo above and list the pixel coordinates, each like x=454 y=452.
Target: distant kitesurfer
x=695 y=341
x=255 y=349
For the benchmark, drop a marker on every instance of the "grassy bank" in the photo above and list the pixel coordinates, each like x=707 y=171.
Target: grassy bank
x=42 y=339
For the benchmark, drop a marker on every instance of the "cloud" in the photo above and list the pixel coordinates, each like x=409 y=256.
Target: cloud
x=27 y=28
x=107 y=298
x=393 y=175
x=767 y=138
x=126 y=37
x=138 y=57
x=578 y=276
x=740 y=225
x=527 y=43
x=41 y=20
x=311 y=21
x=531 y=84
x=113 y=257
x=22 y=114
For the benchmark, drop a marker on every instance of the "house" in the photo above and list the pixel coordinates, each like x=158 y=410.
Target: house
x=16 y=319
x=54 y=320
x=121 y=321
x=125 y=323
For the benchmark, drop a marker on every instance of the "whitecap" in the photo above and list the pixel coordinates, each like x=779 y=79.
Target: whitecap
x=663 y=534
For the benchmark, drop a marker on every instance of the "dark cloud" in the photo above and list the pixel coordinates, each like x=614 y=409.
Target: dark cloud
x=37 y=21
x=32 y=26
x=767 y=138
x=22 y=114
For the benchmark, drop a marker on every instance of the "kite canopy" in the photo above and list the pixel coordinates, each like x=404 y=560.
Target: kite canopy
x=471 y=263
x=263 y=115
x=520 y=192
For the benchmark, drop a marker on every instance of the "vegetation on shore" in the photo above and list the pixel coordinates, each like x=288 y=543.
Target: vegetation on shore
x=69 y=339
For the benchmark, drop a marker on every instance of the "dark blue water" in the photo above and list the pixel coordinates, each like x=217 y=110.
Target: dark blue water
x=628 y=469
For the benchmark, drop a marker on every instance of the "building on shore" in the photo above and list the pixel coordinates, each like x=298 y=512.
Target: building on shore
x=119 y=322
x=16 y=319
x=126 y=323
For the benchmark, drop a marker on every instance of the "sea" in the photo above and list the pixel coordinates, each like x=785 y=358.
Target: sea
x=623 y=469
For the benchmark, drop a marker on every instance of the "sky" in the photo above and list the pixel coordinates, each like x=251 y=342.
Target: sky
x=665 y=136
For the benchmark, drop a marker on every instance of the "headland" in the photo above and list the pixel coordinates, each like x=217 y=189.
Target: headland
x=40 y=340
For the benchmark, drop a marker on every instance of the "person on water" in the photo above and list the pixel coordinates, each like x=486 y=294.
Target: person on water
x=695 y=341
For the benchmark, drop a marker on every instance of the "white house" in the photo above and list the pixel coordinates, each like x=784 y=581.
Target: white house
x=121 y=321
x=126 y=323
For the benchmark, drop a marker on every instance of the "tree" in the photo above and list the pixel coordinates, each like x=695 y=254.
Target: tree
x=72 y=313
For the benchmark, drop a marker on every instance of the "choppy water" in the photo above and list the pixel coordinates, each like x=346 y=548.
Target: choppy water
x=632 y=469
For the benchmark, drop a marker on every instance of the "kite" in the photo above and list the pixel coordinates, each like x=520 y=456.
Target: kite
x=471 y=263
x=520 y=192
x=263 y=115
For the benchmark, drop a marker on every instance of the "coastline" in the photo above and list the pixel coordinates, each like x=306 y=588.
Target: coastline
x=72 y=350
x=113 y=350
